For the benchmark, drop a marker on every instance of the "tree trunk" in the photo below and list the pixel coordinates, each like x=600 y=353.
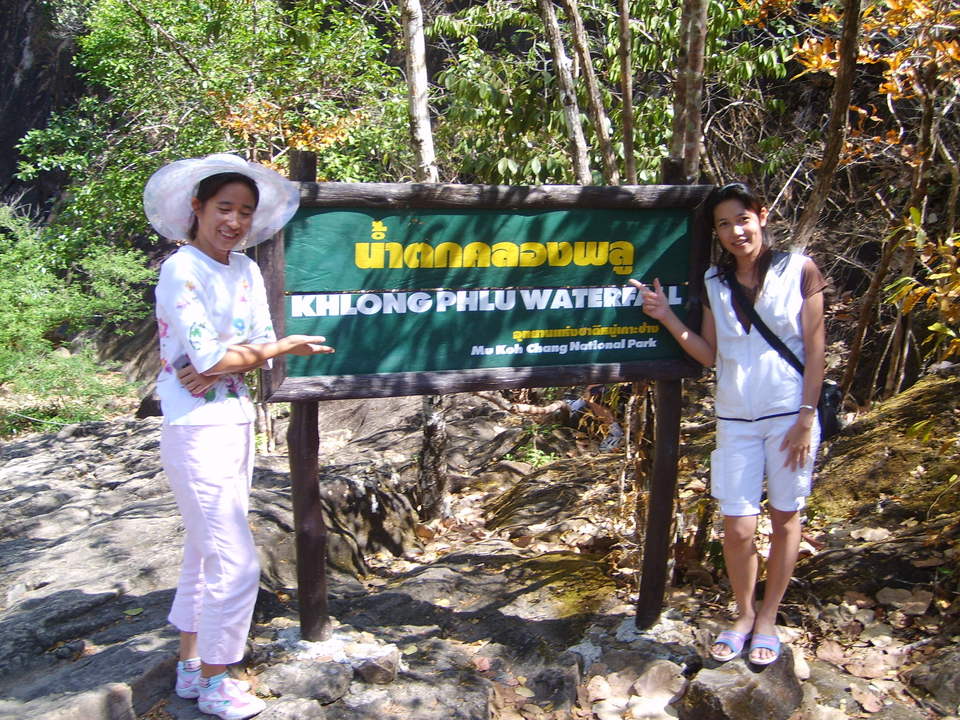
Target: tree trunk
x=918 y=192
x=694 y=90
x=866 y=310
x=952 y=196
x=411 y=16
x=598 y=115
x=897 y=367
x=683 y=160
x=837 y=124
x=626 y=90
x=680 y=83
x=432 y=479
x=568 y=94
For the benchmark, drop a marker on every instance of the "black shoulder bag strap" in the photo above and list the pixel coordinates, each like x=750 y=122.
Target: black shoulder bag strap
x=776 y=343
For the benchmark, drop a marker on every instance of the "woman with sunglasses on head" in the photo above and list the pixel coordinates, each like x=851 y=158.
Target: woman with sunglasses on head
x=766 y=410
x=214 y=325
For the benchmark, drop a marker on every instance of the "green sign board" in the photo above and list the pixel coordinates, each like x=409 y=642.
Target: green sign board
x=474 y=289
x=424 y=290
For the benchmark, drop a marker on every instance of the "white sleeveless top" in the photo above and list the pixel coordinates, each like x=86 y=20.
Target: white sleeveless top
x=753 y=380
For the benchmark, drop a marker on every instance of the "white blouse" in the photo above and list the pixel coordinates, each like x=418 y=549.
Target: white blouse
x=203 y=307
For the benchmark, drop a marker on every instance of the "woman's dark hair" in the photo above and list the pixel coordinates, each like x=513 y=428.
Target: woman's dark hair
x=210 y=186
x=752 y=201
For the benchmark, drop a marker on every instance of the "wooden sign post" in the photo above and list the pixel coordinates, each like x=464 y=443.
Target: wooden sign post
x=433 y=289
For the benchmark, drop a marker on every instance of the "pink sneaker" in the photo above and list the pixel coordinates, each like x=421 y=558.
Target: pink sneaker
x=188 y=683
x=228 y=699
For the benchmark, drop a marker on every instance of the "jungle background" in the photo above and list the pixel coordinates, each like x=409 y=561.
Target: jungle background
x=97 y=95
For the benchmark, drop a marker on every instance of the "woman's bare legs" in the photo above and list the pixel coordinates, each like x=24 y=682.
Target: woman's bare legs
x=740 y=555
x=784 y=548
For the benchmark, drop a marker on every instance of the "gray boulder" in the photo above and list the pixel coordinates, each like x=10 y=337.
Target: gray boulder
x=736 y=690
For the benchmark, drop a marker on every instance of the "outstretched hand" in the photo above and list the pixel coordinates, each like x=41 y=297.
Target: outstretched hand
x=655 y=303
x=304 y=345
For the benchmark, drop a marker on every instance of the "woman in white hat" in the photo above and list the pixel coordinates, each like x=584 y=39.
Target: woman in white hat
x=214 y=325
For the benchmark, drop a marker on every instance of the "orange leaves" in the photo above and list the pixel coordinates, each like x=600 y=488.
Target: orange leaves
x=309 y=137
x=252 y=116
x=817 y=55
x=261 y=122
x=947 y=50
x=763 y=9
x=828 y=15
x=938 y=291
x=902 y=13
x=923 y=35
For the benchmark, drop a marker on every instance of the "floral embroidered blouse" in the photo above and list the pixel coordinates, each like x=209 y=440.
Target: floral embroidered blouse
x=203 y=307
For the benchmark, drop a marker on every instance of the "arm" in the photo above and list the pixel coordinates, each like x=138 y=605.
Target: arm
x=248 y=356
x=797 y=441
x=703 y=347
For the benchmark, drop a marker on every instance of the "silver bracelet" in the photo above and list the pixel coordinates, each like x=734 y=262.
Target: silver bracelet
x=807 y=407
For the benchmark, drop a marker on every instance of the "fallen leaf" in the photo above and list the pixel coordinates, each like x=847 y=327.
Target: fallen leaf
x=482 y=664
x=928 y=562
x=868 y=700
x=831 y=651
x=524 y=691
x=825 y=712
x=852 y=597
x=424 y=532
x=871 y=534
x=522 y=541
x=918 y=603
x=133 y=611
x=893 y=596
x=598 y=689
x=878 y=634
x=871 y=665
x=409 y=650
x=898 y=619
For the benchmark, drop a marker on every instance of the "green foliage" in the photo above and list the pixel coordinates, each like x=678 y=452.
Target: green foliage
x=41 y=306
x=500 y=119
x=934 y=290
x=53 y=388
x=532 y=455
x=182 y=78
x=528 y=452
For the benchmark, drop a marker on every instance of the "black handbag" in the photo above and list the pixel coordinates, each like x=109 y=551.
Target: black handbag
x=828 y=408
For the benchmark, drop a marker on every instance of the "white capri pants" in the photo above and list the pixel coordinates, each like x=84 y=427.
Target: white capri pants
x=210 y=468
x=746 y=451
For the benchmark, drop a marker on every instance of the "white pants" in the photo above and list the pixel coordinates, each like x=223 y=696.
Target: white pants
x=210 y=468
x=746 y=451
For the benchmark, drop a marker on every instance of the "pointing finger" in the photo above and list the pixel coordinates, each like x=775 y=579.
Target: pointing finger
x=657 y=288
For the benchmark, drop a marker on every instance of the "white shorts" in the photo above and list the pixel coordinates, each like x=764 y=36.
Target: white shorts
x=748 y=451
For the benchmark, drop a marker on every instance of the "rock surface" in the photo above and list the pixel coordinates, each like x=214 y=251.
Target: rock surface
x=736 y=690
x=507 y=609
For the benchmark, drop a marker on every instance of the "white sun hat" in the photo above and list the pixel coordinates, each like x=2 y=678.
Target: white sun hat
x=168 y=192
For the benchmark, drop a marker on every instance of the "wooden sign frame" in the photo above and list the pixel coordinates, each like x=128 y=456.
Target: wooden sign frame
x=305 y=393
x=278 y=387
